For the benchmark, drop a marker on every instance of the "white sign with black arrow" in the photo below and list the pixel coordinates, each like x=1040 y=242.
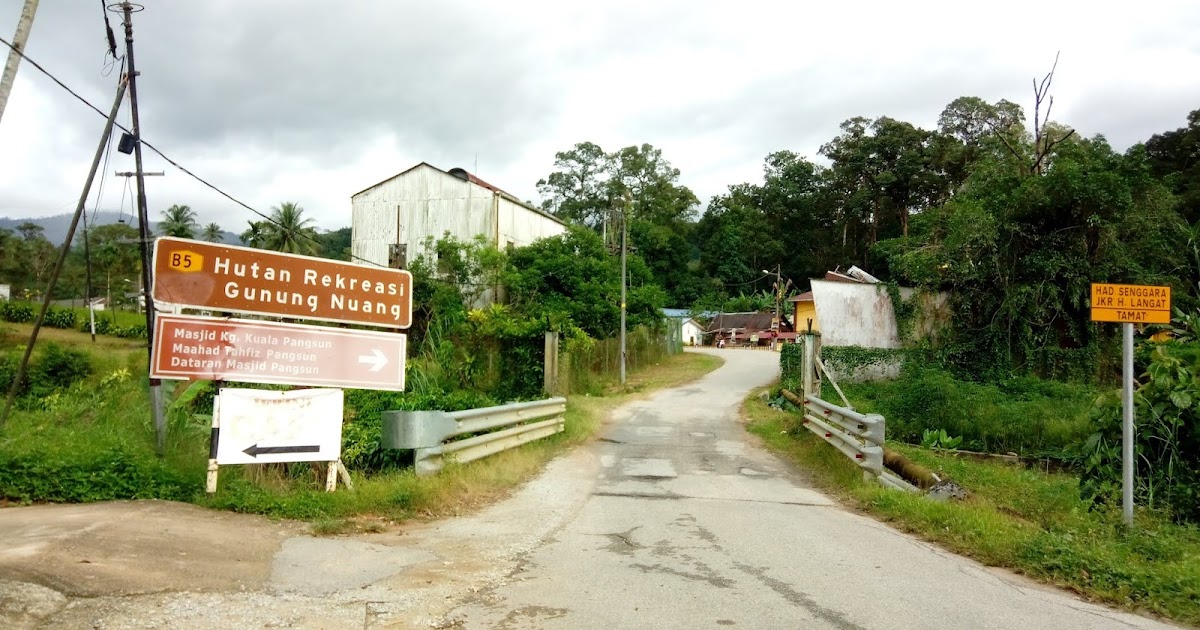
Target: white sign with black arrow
x=258 y=426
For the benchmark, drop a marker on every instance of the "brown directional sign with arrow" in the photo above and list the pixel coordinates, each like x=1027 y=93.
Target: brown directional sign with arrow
x=217 y=277
x=238 y=350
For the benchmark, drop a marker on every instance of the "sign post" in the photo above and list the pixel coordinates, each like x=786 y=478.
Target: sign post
x=1129 y=304
x=255 y=426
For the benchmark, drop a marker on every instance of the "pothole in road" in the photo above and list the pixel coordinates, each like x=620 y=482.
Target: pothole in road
x=647 y=467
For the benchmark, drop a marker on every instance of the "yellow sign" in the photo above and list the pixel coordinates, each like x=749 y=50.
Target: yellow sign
x=1131 y=303
x=186 y=261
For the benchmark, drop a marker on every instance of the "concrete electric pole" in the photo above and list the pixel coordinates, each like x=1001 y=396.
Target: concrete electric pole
x=156 y=399
x=24 y=25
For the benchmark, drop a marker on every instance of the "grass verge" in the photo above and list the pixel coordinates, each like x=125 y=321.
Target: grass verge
x=389 y=497
x=1020 y=519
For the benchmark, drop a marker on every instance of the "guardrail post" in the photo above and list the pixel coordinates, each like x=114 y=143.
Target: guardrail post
x=809 y=363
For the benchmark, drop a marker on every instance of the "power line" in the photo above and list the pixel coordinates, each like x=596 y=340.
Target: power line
x=170 y=161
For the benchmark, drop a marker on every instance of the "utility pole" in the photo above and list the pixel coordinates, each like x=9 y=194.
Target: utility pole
x=777 y=324
x=24 y=25
x=62 y=257
x=156 y=399
x=624 y=237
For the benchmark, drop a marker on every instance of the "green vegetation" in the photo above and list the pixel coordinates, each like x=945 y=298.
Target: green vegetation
x=1017 y=518
x=1023 y=415
x=82 y=433
x=1167 y=436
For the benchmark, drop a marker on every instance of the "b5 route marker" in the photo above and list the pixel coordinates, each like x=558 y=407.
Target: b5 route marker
x=208 y=348
x=201 y=275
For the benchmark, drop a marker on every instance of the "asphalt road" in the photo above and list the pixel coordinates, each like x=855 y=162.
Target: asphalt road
x=691 y=525
x=675 y=518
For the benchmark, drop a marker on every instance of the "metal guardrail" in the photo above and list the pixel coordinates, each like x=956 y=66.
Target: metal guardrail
x=430 y=434
x=858 y=436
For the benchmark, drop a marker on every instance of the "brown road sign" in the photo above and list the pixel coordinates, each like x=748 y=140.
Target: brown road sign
x=1131 y=303
x=210 y=348
x=203 y=275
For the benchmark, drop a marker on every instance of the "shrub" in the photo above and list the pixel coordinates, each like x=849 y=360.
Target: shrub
x=48 y=473
x=1167 y=442
x=17 y=312
x=1026 y=415
x=58 y=368
x=52 y=369
x=60 y=318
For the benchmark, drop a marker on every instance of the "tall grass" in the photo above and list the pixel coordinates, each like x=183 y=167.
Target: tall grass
x=1023 y=415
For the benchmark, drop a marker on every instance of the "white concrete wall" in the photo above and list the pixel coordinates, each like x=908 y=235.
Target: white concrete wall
x=853 y=314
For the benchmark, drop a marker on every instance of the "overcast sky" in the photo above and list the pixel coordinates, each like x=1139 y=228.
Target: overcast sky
x=299 y=100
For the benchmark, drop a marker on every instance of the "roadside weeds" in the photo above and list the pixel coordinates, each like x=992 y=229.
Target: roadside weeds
x=1020 y=519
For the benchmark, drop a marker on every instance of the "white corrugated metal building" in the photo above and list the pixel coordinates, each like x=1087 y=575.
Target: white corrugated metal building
x=392 y=219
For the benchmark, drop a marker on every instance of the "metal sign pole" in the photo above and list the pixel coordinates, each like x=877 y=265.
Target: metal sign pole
x=1127 y=412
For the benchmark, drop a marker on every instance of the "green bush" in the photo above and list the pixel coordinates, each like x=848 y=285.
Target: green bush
x=58 y=368
x=60 y=318
x=51 y=368
x=55 y=474
x=136 y=331
x=1167 y=446
x=17 y=312
x=791 y=365
x=1025 y=415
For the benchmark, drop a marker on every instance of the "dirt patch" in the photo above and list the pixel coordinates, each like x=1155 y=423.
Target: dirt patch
x=135 y=547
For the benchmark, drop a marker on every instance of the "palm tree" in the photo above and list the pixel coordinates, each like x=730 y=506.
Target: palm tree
x=212 y=233
x=288 y=231
x=178 y=221
x=255 y=235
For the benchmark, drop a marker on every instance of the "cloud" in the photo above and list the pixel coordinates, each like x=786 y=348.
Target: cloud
x=309 y=101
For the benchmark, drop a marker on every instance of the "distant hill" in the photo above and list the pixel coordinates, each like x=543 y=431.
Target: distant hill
x=56 y=226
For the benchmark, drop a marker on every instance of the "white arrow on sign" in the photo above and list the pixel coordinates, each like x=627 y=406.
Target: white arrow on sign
x=376 y=357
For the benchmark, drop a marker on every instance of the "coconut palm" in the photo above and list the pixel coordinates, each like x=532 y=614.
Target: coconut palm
x=288 y=231
x=255 y=235
x=178 y=221
x=212 y=233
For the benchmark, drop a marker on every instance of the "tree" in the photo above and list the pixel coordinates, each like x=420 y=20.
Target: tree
x=1174 y=157
x=178 y=221
x=255 y=235
x=573 y=276
x=636 y=184
x=30 y=231
x=576 y=190
x=336 y=244
x=289 y=231
x=212 y=233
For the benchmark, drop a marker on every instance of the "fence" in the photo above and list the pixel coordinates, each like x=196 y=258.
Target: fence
x=586 y=369
x=430 y=434
x=858 y=436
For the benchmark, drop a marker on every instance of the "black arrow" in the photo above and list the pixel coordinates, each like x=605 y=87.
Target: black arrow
x=256 y=450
